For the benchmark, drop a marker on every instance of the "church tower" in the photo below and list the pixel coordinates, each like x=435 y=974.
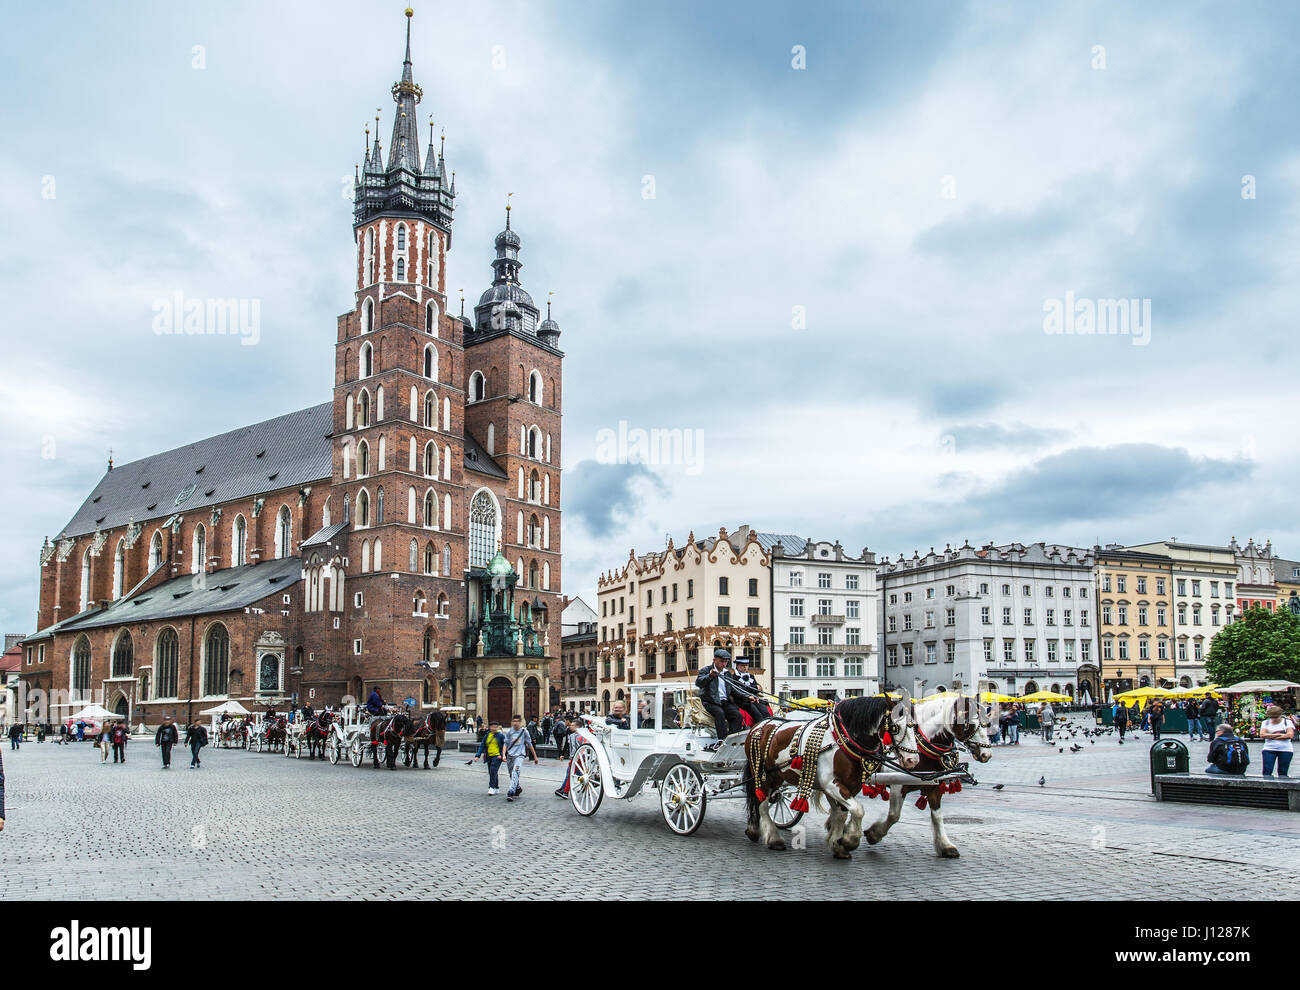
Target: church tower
x=513 y=411
x=399 y=426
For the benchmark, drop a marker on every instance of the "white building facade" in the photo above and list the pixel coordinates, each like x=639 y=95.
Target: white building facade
x=1018 y=617
x=825 y=620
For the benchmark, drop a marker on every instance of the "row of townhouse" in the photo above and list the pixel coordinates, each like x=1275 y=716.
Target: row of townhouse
x=815 y=620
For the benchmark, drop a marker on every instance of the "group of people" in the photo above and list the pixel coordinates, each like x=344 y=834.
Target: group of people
x=196 y=737
x=1230 y=755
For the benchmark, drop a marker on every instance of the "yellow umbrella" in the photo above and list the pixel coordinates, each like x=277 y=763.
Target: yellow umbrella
x=991 y=697
x=809 y=703
x=1044 y=696
x=1143 y=695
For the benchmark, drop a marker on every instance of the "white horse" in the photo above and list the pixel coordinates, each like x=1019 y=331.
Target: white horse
x=943 y=723
x=856 y=728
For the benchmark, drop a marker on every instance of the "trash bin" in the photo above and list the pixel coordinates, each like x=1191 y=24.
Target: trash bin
x=1099 y=713
x=1168 y=756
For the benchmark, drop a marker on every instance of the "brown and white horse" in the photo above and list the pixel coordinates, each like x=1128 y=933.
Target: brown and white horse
x=858 y=734
x=942 y=724
x=428 y=730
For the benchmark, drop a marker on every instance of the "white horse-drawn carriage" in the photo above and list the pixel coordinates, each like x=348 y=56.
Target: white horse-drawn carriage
x=664 y=752
x=349 y=736
x=874 y=746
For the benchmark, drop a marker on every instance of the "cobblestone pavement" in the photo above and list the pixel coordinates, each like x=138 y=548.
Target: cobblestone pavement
x=262 y=826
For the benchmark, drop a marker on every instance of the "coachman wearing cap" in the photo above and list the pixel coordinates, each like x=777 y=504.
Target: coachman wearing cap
x=721 y=694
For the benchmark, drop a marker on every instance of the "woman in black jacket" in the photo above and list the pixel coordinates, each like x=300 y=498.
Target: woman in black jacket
x=196 y=737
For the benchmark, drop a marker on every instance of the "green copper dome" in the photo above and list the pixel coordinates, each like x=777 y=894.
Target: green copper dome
x=499 y=566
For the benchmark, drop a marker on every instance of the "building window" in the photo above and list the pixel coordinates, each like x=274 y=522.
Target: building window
x=931 y=653
x=123 y=656
x=796 y=667
x=166 y=664
x=216 y=661
x=851 y=582
x=796 y=579
x=482 y=530
x=751 y=617
x=796 y=607
x=796 y=635
x=724 y=615
x=950 y=652
x=283 y=534
x=852 y=607
x=907 y=654
x=81 y=665
x=825 y=666
x=823 y=579
x=722 y=586
x=852 y=666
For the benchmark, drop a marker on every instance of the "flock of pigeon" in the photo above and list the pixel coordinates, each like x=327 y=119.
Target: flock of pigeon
x=1066 y=728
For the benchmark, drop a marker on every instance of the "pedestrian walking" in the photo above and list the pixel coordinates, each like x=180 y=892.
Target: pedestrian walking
x=1193 y=712
x=119 y=737
x=1119 y=718
x=573 y=724
x=15 y=736
x=165 y=738
x=81 y=730
x=196 y=737
x=1277 y=731
x=1156 y=719
x=519 y=745
x=105 y=744
x=1047 y=719
x=561 y=735
x=1012 y=717
x=1209 y=714
x=492 y=748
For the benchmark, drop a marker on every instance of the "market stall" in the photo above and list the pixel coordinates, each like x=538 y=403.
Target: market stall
x=1248 y=700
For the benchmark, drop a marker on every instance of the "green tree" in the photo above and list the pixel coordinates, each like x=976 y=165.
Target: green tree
x=1260 y=646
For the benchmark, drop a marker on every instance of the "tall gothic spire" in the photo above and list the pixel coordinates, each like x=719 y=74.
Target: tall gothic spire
x=402 y=185
x=404 y=150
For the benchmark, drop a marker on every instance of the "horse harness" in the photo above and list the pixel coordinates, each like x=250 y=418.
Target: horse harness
x=808 y=745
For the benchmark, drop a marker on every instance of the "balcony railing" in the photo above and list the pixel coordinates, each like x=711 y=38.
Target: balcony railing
x=827 y=649
x=828 y=620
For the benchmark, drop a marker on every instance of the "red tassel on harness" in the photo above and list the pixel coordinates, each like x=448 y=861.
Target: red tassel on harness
x=884 y=794
x=760 y=794
x=921 y=802
x=796 y=763
x=799 y=804
x=956 y=786
x=869 y=790
x=886 y=738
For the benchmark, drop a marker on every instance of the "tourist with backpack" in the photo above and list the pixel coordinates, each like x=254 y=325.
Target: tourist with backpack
x=492 y=749
x=1228 y=753
x=1156 y=718
x=1119 y=717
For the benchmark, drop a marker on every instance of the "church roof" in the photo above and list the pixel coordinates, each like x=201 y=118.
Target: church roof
x=478 y=459
x=284 y=452
x=222 y=591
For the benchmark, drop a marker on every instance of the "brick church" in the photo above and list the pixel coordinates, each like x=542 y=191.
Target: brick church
x=404 y=534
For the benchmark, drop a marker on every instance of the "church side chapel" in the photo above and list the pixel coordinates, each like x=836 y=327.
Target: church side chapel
x=405 y=535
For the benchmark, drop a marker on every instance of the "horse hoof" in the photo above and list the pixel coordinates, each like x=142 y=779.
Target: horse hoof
x=751 y=834
x=871 y=839
x=778 y=844
x=841 y=854
x=950 y=853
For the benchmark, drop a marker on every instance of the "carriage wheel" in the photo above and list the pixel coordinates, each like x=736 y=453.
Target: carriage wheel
x=333 y=751
x=358 y=752
x=585 y=787
x=682 y=799
x=301 y=742
x=778 y=809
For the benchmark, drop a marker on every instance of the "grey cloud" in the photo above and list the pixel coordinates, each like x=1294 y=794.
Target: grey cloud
x=968 y=437
x=1087 y=483
x=605 y=496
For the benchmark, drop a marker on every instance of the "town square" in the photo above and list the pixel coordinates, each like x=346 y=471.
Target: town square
x=538 y=456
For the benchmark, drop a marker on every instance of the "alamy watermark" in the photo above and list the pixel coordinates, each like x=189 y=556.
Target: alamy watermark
x=1073 y=316
x=679 y=447
x=199 y=317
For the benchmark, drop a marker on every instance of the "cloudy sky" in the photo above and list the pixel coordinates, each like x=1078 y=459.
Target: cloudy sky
x=819 y=239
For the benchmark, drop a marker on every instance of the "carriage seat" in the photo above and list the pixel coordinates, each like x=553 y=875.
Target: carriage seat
x=697 y=716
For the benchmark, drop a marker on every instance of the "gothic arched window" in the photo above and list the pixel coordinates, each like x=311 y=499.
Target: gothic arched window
x=401 y=269
x=430 y=411
x=216 y=660
x=446 y=559
x=367 y=365
x=363 y=409
x=477 y=386
x=379 y=508
x=239 y=550
x=430 y=362
x=401 y=237
x=81 y=665
x=166 y=663
x=123 y=656
x=482 y=529
x=363 y=508
x=199 y=564
x=363 y=459
x=430 y=509
x=119 y=569
x=85 y=581
x=155 y=550
x=283 y=533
